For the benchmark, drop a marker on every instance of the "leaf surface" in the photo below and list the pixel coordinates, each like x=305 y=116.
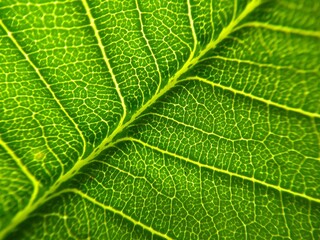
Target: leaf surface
x=160 y=119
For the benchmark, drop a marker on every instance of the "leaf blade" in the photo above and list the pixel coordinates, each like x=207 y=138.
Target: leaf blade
x=259 y=149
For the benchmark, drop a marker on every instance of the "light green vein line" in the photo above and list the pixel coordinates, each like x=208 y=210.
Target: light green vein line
x=268 y=102
x=193 y=31
x=228 y=30
x=205 y=132
x=148 y=45
x=174 y=79
x=266 y=65
x=24 y=169
x=24 y=213
x=284 y=215
x=196 y=128
x=308 y=33
x=44 y=82
x=107 y=142
x=201 y=165
x=235 y=9
x=111 y=209
x=128 y=173
x=211 y=19
x=105 y=58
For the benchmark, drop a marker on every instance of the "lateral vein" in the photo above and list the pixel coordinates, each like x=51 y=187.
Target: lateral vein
x=268 y=102
x=108 y=141
x=148 y=45
x=285 y=29
x=193 y=31
x=228 y=30
x=265 y=65
x=201 y=165
x=44 y=82
x=23 y=168
x=105 y=58
x=118 y=212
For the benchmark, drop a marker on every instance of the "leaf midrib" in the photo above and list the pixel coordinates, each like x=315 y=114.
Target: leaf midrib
x=108 y=141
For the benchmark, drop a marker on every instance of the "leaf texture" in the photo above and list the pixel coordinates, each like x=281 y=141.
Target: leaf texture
x=192 y=119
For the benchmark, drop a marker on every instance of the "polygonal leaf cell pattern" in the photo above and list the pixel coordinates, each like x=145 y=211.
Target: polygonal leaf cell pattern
x=165 y=119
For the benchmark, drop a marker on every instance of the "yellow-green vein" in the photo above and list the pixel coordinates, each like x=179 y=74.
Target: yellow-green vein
x=240 y=92
x=285 y=29
x=52 y=93
x=105 y=58
x=201 y=165
x=111 y=209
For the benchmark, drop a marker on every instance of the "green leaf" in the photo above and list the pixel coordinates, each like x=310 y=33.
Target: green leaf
x=192 y=119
